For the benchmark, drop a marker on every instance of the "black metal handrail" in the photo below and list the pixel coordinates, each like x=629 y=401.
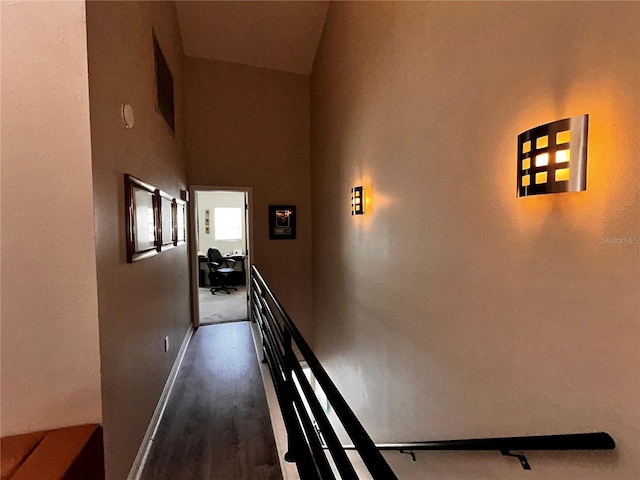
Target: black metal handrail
x=309 y=432
x=505 y=445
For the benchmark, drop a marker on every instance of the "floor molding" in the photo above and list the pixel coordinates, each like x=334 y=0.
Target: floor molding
x=149 y=436
x=289 y=470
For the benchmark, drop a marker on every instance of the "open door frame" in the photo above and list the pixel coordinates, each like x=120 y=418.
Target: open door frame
x=193 y=247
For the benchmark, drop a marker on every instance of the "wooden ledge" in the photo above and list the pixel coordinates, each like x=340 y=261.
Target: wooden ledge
x=71 y=453
x=15 y=451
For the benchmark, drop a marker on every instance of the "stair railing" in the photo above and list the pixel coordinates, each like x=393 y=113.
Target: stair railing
x=310 y=434
x=506 y=445
x=307 y=447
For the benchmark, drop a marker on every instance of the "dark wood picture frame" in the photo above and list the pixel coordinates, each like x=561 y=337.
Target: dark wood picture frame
x=135 y=190
x=165 y=204
x=282 y=222
x=179 y=222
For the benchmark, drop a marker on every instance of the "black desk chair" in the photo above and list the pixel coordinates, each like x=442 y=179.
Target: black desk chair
x=219 y=268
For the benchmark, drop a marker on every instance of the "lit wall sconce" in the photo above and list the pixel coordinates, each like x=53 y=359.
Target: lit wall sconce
x=552 y=158
x=357 y=201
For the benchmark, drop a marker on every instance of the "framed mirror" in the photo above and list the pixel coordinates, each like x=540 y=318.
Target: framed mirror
x=167 y=217
x=180 y=221
x=141 y=203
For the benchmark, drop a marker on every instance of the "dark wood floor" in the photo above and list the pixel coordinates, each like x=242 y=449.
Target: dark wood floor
x=216 y=425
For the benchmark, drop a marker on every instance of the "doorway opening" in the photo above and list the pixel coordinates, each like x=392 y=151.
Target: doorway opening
x=220 y=254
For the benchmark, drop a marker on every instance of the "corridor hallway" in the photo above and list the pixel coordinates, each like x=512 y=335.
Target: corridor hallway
x=216 y=425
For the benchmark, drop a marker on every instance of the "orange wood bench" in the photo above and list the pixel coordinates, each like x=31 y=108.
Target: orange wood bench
x=71 y=453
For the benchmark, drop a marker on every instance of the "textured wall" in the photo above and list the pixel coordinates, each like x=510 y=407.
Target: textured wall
x=248 y=126
x=139 y=303
x=50 y=350
x=452 y=308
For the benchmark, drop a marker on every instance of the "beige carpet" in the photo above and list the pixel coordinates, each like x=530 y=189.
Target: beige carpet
x=222 y=308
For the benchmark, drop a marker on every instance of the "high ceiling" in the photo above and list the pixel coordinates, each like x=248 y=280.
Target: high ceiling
x=280 y=35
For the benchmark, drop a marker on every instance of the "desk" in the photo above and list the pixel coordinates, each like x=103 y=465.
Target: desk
x=202 y=272
x=234 y=278
x=239 y=277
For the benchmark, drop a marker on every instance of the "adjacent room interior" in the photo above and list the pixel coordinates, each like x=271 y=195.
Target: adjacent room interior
x=221 y=226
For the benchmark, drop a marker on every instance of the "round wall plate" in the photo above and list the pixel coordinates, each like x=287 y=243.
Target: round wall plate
x=127 y=115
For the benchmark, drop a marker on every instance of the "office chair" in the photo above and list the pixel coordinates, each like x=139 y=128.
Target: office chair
x=219 y=268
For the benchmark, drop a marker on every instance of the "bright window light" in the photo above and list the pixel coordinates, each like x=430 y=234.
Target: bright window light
x=227 y=224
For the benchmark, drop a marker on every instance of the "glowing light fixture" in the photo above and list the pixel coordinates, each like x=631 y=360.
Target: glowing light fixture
x=552 y=158
x=357 y=201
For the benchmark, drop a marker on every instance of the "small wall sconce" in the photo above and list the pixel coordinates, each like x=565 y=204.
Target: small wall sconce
x=357 y=201
x=552 y=158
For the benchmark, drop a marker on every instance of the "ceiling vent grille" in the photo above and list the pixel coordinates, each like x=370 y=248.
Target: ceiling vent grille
x=164 y=86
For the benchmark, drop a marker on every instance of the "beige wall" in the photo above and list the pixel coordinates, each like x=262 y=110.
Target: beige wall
x=50 y=347
x=248 y=126
x=139 y=303
x=452 y=308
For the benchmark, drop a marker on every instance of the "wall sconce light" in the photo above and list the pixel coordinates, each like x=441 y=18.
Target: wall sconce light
x=357 y=201
x=552 y=158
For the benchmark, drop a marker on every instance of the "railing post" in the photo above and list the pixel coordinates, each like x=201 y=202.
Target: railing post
x=252 y=301
x=264 y=352
x=290 y=456
x=263 y=312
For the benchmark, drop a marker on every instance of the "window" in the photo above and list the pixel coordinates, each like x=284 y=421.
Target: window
x=227 y=224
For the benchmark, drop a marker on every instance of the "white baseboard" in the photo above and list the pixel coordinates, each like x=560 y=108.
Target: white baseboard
x=149 y=436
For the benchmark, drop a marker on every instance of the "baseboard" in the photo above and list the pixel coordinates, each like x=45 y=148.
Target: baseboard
x=289 y=470
x=149 y=436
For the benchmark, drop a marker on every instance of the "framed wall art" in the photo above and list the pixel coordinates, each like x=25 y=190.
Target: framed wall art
x=282 y=222
x=180 y=221
x=167 y=219
x=142 y=218
x=155 y=221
